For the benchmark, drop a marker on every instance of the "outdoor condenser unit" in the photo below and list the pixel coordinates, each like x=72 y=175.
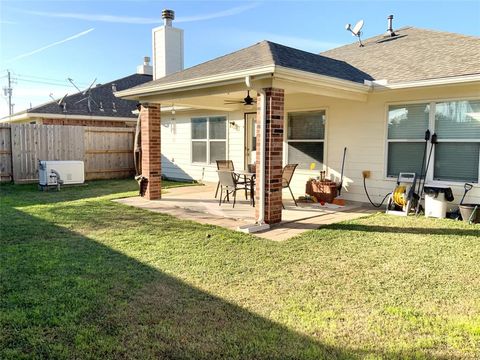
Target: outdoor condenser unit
x=54 y=173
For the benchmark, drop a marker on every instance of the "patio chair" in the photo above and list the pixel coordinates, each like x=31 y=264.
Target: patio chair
x=252 y=168
x=227 y=165
x=287 y=175
x=228 y=185
x=223 y=165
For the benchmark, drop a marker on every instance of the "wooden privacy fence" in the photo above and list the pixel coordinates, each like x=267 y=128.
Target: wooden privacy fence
x=107 y=152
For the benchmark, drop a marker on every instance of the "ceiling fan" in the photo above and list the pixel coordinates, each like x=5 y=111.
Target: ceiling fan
x=248 y=100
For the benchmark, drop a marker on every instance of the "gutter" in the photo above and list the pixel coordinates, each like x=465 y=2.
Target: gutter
x=454 y=80
x=26 y=116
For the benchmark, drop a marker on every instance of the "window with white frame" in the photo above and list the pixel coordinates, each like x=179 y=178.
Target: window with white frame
x=455 y=157
x=305 y=138
x=209 y=139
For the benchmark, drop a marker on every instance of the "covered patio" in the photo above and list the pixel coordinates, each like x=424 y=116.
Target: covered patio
x=197 y=203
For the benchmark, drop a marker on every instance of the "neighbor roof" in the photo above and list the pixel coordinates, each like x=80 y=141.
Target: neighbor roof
x=267 y=53
x=414 y=54
x=101 y=93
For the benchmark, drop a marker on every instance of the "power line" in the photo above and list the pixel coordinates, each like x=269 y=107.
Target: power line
x=41 y=78
x=42 y=82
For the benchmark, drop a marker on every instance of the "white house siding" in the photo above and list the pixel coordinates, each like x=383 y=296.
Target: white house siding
x=359 y=126
x=176 y=145
x=362 y=128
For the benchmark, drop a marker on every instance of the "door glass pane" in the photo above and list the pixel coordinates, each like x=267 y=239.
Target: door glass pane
x=304 y=153
x=199 y=128
x=306 y=125
x=408 y=121
x=456 y=161
x=218 y=127
x=458 y=120
x=218 y=151
x=404 y=157
x=199 y=151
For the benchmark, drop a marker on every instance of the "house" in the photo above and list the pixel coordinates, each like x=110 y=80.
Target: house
x=376 y=100
x=97 y=107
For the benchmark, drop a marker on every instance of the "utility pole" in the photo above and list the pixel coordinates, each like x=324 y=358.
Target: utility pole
x=8 y=92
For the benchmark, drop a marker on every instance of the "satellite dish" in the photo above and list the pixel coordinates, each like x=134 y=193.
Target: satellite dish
x=357 y=28
x=356 y=31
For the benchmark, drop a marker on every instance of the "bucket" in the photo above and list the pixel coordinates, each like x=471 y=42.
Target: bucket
x=467 y=209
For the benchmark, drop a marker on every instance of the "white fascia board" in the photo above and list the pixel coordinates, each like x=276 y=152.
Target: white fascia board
x=198 y=83
x=26 y=116
x=317 y=79
x=430 y=82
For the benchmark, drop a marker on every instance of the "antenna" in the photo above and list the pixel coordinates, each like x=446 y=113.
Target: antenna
x=76 y=87
x=62 y=100
x=88 y=93
x=51 y=97
x=356 y=31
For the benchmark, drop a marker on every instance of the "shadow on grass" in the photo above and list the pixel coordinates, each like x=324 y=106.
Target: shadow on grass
x=403 y=230
x=29 y=194
x=64 y=295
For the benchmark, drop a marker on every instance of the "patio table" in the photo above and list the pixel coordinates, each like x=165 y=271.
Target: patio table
x=248 y=176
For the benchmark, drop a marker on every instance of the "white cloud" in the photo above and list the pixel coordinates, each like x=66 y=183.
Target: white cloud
x=142 y=20
x=50 y=45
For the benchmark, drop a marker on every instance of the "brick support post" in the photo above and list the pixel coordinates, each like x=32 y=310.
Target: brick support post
x=273 y=155
x=151 y=155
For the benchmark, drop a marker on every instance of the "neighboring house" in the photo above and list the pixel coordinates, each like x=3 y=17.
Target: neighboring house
x=99 y=107
x=377 y=100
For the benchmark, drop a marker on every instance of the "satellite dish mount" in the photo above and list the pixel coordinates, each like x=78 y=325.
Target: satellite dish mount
x=356 y=30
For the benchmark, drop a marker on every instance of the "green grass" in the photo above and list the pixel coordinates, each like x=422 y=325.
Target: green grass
x=85 y=277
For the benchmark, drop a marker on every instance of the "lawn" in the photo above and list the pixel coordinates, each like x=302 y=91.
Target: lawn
x=85 y=277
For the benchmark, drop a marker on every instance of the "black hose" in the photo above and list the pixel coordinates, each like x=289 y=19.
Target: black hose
x=366 y=193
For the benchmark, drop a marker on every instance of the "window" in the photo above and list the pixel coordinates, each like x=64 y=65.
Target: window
x=305 y=138
x=406 y=132
x=209 y=139
x=457 y=125
x=455 y=157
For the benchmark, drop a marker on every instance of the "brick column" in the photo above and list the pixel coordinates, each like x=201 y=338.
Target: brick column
x=273 y=155
x=151 y=156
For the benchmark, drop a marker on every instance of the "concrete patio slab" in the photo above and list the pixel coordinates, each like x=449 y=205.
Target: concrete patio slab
x=197 y=203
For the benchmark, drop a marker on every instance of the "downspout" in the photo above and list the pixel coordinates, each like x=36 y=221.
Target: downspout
x=260 y=222
x=263 y=124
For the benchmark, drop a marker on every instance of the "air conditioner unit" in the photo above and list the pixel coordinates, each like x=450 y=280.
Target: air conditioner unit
x=54 y=173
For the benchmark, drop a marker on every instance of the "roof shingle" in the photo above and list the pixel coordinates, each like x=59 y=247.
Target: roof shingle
x=100 y=93
x=415 y=54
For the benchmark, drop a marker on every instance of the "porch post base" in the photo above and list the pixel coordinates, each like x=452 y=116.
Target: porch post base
x=253 y=228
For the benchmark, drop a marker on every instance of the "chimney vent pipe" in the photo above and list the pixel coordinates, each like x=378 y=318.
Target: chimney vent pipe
x=390 y=32
x=168 y=16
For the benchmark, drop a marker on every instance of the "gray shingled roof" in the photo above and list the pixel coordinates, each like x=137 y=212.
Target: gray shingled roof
x=263 y=54
x=100 y=93
x=415 y=54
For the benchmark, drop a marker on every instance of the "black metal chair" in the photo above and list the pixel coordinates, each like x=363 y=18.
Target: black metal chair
x=287 y=175
x=229 y=185
x=227 y=165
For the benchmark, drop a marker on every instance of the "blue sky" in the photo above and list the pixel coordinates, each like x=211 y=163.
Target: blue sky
x=45 y=42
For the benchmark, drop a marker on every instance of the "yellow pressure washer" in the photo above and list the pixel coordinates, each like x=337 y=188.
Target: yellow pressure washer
x=403 y=198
